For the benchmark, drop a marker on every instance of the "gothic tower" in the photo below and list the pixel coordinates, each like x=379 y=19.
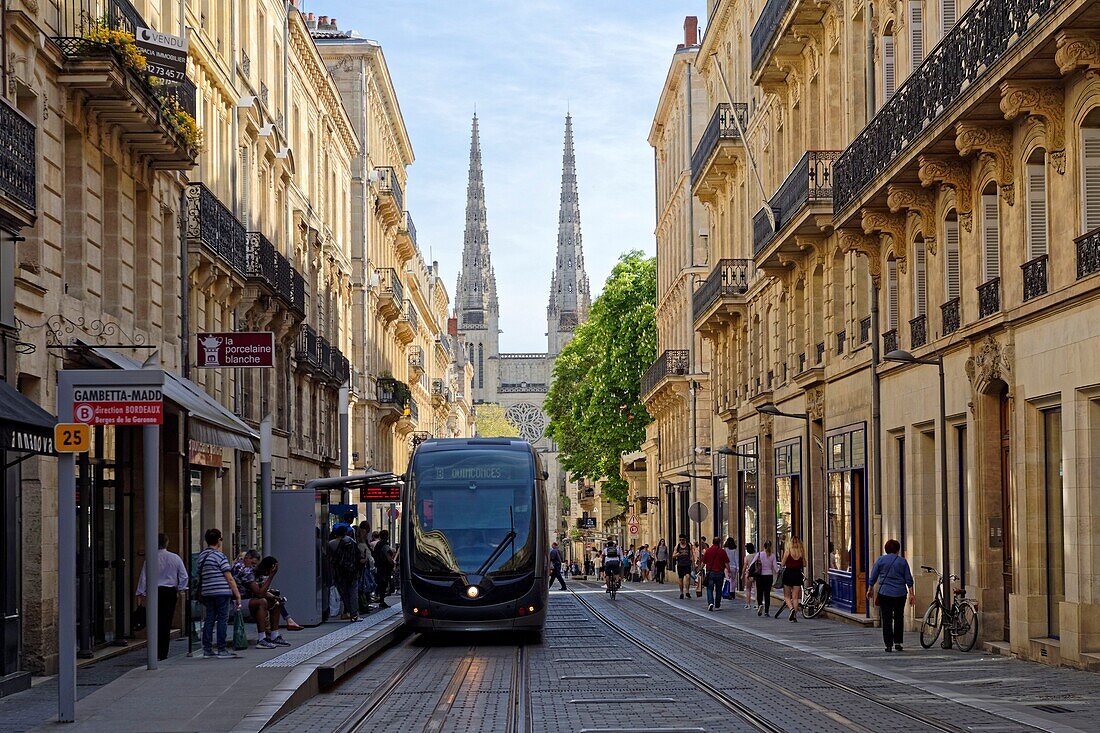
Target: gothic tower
x=569 y=294
x=476 y=295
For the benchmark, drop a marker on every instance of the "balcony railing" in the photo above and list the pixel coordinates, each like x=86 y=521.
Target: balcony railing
x=1088 y=254
x=675 y=362
x=416 y=358
x=306 y=351
x=989 y=297
x=410 y=227
x=17 y=157
x=390 y=284
x=414 y=411
x=890 y=341
x=245 y=64
x=267 y=266
x=728 y=279
x=298 y=292
x=811 y=182
x=389 y=185
x=722 y=126
x=918 y=332
x=213 y=225
x=387 y=392
x=951 y=314
x=1035 y=277
x=766 y=28
x=986 y=33
x=412 y=316
x=865 y=330
x=438 y=387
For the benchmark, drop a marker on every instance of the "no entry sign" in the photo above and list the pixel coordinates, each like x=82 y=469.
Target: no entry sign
x=118 y=405
x=244 y=349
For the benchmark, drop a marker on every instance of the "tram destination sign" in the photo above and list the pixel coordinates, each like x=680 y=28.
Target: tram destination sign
x=118 y=405
x=240 y=349
x=380 y=492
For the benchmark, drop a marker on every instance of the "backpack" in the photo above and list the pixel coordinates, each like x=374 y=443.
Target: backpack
x=612 y=552
x=381 y=556
x=346 y=558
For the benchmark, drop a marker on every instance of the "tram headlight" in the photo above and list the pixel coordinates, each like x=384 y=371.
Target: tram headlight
x=473 y=592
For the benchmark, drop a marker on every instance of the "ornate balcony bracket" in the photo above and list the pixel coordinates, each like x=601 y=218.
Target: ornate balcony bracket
x=892 y=225
x=919 y=201
x=852 y=240
x=953 y=173
x=1044 y=103
x=1077 y=51
x=993 y=144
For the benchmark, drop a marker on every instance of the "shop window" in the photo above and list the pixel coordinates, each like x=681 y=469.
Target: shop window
x=840 y=522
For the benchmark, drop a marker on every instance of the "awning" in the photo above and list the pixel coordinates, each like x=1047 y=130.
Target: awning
x=208 y=421
x=24 y=426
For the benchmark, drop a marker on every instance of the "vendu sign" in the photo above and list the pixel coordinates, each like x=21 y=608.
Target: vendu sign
x=236 y=349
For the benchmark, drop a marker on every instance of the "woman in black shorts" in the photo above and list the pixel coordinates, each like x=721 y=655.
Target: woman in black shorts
x=682 y=558
x=794 y=563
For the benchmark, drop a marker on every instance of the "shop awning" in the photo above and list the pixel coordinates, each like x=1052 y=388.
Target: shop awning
x=209 y=421
x=24 y=426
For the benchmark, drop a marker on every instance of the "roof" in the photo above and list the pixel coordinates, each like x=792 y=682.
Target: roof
x=452 y=443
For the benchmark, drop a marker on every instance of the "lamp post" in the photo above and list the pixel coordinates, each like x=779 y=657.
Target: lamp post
x=770 y=409
x=904 y=357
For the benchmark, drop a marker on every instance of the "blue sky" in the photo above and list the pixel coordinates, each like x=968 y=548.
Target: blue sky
x=521 y=62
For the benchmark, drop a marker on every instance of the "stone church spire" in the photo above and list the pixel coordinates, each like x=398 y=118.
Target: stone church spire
x=569 y=294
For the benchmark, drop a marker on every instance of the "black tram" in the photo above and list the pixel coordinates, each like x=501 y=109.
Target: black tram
x=474 y=536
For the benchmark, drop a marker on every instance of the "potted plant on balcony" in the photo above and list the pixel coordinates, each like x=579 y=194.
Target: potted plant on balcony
x=122 y=42
x=401 y=392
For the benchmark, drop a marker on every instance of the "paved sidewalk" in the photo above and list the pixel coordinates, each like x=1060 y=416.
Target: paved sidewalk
x=194 y=694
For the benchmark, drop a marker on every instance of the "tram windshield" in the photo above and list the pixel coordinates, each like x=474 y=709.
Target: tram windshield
x=474 y=512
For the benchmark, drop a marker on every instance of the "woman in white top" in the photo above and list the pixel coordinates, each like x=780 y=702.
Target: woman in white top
x=748 y=577
x=769 y=568
x=733 y=570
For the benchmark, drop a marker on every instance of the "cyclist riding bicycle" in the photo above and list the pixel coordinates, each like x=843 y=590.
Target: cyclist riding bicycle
x=612 y=559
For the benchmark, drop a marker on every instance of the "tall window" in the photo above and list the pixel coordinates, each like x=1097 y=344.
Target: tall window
x=991 y=235
x=949 y=15
x=1090 y=201
x=1037 y=229
x=1055 y=529
x=481 y=366
x=916 y=33
x=951 y=259
x=892 y=293
x=920 y=278
x=889 y=66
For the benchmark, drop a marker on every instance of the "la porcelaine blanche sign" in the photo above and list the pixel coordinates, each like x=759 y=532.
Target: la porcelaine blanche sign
x=241 y=349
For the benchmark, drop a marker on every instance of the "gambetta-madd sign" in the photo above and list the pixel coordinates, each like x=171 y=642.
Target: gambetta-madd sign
x=118 y=405
x=244 y=349
x=165 y=54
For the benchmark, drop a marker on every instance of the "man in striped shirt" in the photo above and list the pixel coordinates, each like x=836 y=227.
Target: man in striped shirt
x=216 y=576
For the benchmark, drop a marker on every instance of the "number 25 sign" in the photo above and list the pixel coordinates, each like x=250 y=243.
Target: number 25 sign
x=72 y=437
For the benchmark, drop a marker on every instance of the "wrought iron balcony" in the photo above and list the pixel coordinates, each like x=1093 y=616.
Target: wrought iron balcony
x=865 y=330
x=406 y=238
x=989 y=297
x=391 y=199
x=727 y=282
x=841 y=341
x=341 y=367
x=408 y=323
x=890 y=341
x=270 y=269
x=951 y=315
x=412 y=411
x=918 y=332
x=307 y=351
x=1088 y=254
x=391 y=294
x=18 y=180
x=984 y=35
x=809 y=184
x=324 y=349
x=245 y=64
x=675 y=362
x=766 y=29
x=439 y=392
x=416 y=360
x=212 y=225
x=1035 y=277
x=721 y=129
x=298 y=292
x=387 y=392
x=265 y=95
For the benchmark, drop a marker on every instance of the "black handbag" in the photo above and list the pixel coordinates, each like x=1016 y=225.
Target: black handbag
x=139 y=620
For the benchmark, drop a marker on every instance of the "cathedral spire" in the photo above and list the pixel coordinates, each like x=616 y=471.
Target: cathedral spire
x=569 y=294
x=476 y=294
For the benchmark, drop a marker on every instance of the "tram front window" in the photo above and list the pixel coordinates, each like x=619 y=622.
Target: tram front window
x=474 y=512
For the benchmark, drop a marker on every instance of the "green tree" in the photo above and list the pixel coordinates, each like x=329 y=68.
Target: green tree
x=594 y=403
x=490 y=422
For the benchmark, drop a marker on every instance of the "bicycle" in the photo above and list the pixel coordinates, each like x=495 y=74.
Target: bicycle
x=961 y=619
x=816 y=595
x=614 y=582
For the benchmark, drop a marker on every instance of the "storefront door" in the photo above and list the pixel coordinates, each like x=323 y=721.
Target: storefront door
x=846 y=520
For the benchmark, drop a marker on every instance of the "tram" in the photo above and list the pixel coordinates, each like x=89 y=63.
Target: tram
x=474 y=534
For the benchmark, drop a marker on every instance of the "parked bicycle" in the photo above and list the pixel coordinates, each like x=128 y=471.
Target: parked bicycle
x=816 y=595
x=960 y=620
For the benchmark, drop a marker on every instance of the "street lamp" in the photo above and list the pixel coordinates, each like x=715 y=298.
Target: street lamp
x=769 y=408
x=904 y=357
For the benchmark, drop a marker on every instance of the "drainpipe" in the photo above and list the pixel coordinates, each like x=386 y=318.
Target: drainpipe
x=868 y=17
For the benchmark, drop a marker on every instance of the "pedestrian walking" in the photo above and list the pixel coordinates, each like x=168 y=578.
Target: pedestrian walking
x=384 y=565
x=216 y=588
x=748 y=576
x=660 y=556
x=647 y=559
x=733 y=570
x=700 y=572
x=794 y=563
x=683 y=557
x=715 y=563
x=555 y=565
x=895 y=582
x=171 y=581
x=344 y=558
x=766 y=573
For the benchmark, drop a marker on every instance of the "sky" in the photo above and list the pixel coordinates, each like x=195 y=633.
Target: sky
x=522 y=64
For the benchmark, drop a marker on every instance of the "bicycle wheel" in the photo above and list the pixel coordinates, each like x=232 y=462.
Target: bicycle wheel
x=813 y=606
x=966 y=626
x=930 y=626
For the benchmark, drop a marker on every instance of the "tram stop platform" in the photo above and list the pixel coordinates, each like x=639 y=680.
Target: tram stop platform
x=234 y=695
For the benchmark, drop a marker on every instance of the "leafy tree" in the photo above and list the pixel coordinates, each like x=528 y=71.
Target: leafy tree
x=594 y=403
x=490 y=422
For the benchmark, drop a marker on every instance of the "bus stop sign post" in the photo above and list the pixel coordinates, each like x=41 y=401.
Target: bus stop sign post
x=132 y=397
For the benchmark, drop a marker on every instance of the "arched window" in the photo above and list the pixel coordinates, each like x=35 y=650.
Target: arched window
x=1090 y=184
x=951 y=257
x=920 y=278
x=892 y=315
x=991 y=234
x=1038 y=233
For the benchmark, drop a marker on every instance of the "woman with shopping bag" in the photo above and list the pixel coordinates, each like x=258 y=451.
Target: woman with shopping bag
x=889 y=583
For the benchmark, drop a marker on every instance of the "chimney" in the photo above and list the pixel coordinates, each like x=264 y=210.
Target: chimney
x=691 y=30
x=332 y=24
x=452 y=326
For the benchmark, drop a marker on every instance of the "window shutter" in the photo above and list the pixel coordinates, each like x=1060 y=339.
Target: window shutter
x=916 y=33
x=991 y=237
x=889 y=81
x=920 y=280
x=892 y=292
x=951 y=267
x=1037 y=231
x=1091 y=185
x=949 y=14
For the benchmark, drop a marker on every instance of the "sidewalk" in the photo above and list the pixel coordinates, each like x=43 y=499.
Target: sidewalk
x=194 y=694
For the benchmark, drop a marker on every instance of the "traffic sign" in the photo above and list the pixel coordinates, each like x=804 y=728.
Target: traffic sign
x=633 y=521
x=697 y=512
x=634 y=529
x=118 y=405
x=394 y=512
x=69 y=437
x=242 y=349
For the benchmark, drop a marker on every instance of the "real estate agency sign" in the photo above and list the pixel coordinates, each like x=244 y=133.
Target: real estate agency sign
x=243 y=349
x=118 y=404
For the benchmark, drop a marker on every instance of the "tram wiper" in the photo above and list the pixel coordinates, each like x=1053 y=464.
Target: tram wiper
x=500 y=547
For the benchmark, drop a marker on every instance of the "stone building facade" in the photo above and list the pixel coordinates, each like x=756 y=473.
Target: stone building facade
x=911 y=203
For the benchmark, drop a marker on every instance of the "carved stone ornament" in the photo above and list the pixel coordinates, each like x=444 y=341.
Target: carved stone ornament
x=815 y=403
x=767 y=423
x=917 y=201
x=1045 y=102
x=955 y=174
x=1077 y=50
x=991 y=143
x=991 y=362
x=853 y=240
